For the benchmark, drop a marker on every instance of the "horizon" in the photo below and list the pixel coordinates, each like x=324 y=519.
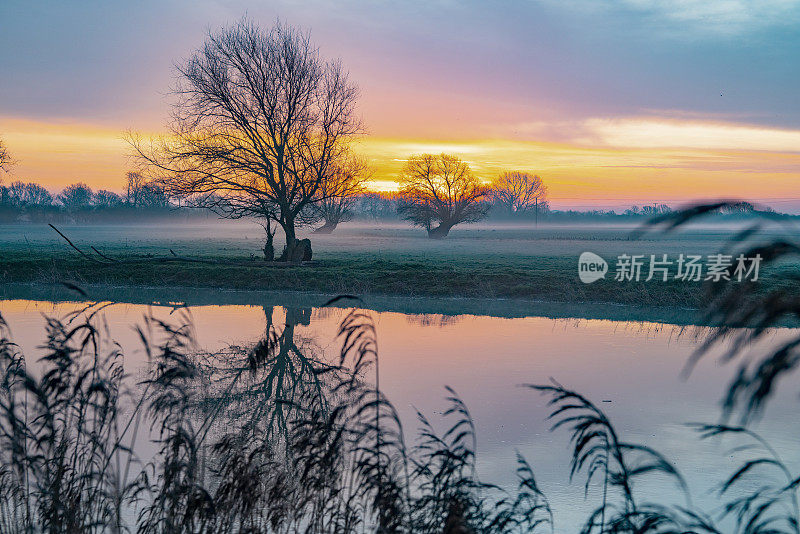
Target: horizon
x=663 y=104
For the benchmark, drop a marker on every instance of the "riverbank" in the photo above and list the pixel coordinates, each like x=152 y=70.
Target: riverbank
x=422 y=306
x=552 y=279
x=476 y=264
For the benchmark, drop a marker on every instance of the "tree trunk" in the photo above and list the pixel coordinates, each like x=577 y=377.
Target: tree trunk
x=440 y=232
x=291 y=239
x=289 y=230
x=296 y=250
x=269 y=247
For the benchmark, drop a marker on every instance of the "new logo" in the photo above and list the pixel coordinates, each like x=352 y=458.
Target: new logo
x=591 y=267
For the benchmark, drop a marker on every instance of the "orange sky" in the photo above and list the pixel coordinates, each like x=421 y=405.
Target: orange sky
x=601 y=163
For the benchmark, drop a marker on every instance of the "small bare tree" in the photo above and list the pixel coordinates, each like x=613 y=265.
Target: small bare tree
x=143 y=193
x=5 y=157
x=518 y=192
x=16 y=193
x=28 y=194
x=338 y=192
x=105 y=199
x=440 y=190
x=378 y=205
x=76 y=197
x=260 y=120
x=133 y=190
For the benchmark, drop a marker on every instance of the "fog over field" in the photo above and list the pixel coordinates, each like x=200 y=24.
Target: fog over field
x=499 y=241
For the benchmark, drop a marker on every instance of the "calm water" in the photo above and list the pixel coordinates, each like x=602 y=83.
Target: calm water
x=630 y=369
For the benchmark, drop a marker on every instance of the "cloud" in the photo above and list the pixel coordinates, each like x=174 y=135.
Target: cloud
x=720 y=17
x=665 y=133
x=732 y=14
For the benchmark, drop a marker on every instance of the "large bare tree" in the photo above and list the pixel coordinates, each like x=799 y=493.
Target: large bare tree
x=339 y=191
x=440 y=190
x=260 y=121
x=519 y=191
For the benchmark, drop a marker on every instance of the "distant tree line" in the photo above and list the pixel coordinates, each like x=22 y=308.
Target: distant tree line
x=428 y=200
x=730 y=210
x=29 y=201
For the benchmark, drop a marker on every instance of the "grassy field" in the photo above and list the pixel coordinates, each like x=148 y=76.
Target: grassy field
x=475 y=261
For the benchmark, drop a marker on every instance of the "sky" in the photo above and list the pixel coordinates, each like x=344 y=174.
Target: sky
x=611 y=102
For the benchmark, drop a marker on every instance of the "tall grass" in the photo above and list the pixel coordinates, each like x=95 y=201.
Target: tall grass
x=744 y=313
x=319 y=450
x=65 y=462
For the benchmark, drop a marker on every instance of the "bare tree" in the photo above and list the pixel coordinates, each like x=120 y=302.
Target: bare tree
x=5 y=157
x=28 y=194
x=339 y=191
x=377 y=205
x=259 y=122
x=648 y=210
x=76 y=197
x=440 y=190
x=107 y=199
x=142 y=193
x=16 y=193
x=37 y=195
x=742 y=206
x=518 y=192
x=133 y=190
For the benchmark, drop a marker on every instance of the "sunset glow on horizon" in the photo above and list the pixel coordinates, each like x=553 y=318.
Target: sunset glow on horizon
x=582 y=174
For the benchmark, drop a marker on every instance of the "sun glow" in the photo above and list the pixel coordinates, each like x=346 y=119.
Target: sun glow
x=580 y=175
x=611 y=163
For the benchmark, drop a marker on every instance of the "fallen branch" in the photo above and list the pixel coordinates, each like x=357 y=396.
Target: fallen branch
x=103 y=255
x=82 y=253
x=173 y=258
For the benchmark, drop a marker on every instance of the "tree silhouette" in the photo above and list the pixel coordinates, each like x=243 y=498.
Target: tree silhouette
x=339 y=191
x=76 y=197
x=260 y=122
x=519 y=191
x=5 y=157
x=442 y=191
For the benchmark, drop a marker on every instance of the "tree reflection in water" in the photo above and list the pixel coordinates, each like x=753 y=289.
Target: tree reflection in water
x=262 y=387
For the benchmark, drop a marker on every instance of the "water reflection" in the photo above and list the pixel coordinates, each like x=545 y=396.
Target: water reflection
x=635 y=366
x=268 y=381
x=432 y=319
